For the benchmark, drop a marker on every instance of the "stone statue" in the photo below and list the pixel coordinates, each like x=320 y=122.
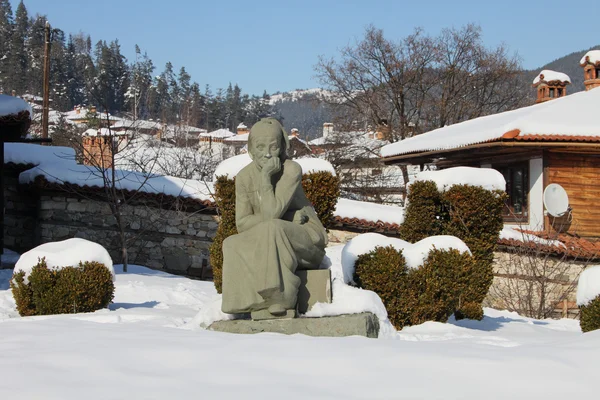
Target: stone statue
x=279 y=231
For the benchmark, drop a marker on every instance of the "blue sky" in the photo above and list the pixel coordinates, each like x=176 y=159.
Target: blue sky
x=274 y=45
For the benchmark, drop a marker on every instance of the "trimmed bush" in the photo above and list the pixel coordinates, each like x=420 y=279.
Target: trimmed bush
x=225 y=199
x=423 y=214
x=86 y=288
x=412 y=296
x=475 y=217
x=590 y=315
x=471 y=213
x=321 y=188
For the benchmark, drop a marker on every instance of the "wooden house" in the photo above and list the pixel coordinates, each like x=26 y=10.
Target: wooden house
x=555 y=141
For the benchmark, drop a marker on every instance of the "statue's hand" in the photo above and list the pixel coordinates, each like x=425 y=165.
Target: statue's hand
x=300 y=217
x=272 y=166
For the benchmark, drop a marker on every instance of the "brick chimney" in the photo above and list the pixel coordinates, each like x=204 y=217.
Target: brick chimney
x=97 y=149
x=550 y=85
x=591 y=69
x=294 y=132
x=327 y=129
x=383 y=130
x=242 y=129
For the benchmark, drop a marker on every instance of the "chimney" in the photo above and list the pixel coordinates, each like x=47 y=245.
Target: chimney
x=383 y=130
x=93 y=109
x=550 y=85
x=591 y=69
x=242 y=129
x=295 y=132
x=327 y=129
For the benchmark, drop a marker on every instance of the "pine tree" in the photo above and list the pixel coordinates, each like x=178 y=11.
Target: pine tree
x=6 y=23
x=18 y=62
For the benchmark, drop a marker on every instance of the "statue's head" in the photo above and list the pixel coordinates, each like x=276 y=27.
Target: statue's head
x=267 y=139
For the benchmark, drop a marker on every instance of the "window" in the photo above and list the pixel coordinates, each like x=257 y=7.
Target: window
x=517 y=188
x=560 y=92
x=551 y=92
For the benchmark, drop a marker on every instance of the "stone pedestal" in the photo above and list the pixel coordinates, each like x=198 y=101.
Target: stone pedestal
x=365 y=324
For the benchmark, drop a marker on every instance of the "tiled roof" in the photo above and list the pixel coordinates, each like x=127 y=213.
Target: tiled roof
x=574 y=247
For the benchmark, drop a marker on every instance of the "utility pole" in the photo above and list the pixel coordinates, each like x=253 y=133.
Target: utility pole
x=46 y=105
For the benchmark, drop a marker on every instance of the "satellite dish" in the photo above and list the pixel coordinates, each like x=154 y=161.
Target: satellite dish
x=556 y=200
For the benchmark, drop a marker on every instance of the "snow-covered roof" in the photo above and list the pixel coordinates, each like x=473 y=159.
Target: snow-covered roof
x=548 y=75
x=57 y=165
x=82 y=114
x=571 y=118
x=13 y=105
x=592 y=56
x=218 y=134
x=242 y=126
x=102 y=132
x=233 y=165
x=238 y=138
x=137 y=124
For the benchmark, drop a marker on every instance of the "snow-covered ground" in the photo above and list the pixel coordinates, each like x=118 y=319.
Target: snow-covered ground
x=147 y=345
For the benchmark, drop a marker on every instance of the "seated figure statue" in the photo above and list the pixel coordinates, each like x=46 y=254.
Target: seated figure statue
x=279 y=231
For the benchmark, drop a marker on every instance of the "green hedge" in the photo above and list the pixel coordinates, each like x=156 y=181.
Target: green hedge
x=472 y=214
x=590 y=315
x=321 y=188
x=432 y=292
x=86 y=288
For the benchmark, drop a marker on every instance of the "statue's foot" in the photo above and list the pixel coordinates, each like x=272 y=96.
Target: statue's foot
x=277 y=310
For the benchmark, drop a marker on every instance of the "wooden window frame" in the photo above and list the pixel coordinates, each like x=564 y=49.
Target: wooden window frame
x=508 y=213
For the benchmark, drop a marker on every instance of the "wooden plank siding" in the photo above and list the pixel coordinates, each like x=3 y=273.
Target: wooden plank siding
x=579 y=175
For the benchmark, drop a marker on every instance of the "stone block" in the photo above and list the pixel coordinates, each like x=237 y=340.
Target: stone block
x=315 y=286
x=76 y=207
x=364 y=324
x=177 y=260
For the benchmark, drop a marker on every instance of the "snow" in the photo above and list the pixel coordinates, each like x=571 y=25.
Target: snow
x=57 y=165
x=13 y=105
x=242 y=126
x=509 y=233
x=24 y=153
x=588 y=287
x=147 y=345
x=66 y=253
x=414 y=254
x=550 y=76
x=573 y=115
x=103 y=132
x=594 y=57
x=346 y=208
x=486 y=178
x=233 y=165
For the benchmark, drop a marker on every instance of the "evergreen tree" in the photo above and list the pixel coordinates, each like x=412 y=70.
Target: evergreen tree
x=18 y=55
x=6 y=23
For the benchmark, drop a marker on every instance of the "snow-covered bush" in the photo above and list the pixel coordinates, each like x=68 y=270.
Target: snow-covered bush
x=471 y=213
x=431 y=292
x=321 y=189
x=85 y=288
x=588 y=298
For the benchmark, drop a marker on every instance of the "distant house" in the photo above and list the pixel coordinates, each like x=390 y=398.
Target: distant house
x=82 y=115
x=555 y=141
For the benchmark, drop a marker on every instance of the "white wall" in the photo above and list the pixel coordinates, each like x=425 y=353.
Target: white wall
x=536 y=193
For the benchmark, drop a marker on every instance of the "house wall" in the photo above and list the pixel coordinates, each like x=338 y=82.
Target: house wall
x=578 y=174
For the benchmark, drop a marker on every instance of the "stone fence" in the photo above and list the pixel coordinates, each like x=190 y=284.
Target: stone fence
x=159 y=233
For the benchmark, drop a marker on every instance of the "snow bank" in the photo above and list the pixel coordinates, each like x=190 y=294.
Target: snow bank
x=550 y=76
x=486 y=178
x=67 y=253
x=414 y=254
x=594 y=57
x=13 y=105
x=232 y=166
x=346 y=208
x=588 y=287
x=509 y=233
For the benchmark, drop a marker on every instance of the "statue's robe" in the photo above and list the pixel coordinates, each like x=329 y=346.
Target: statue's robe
x=259 y=262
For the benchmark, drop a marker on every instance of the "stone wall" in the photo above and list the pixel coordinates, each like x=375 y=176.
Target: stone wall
x=20 y=211
x=174 y=241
